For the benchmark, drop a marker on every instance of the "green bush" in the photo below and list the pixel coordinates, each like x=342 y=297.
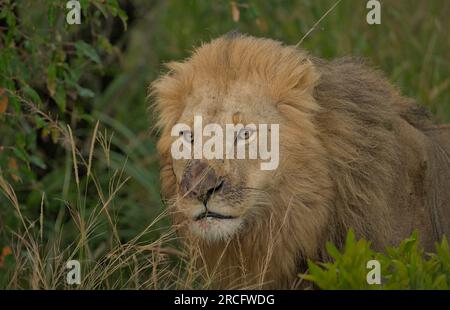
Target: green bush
x=402 y=267
x=54 y=76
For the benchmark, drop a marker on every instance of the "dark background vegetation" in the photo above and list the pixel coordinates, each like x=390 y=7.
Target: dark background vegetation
x=54 y=75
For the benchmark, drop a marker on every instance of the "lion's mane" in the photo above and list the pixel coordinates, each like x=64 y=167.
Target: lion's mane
x=376 y=165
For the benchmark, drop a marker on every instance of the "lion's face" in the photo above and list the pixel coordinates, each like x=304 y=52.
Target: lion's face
x=219 y=197
x=244 y=81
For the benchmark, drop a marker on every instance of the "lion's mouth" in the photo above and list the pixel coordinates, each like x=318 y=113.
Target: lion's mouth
x=209 y=214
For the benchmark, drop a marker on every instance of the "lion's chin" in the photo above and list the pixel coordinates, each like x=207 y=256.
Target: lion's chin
x=215 y=229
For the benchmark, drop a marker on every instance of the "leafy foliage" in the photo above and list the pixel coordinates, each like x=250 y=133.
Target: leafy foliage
x=402 y=267
x=53 y=76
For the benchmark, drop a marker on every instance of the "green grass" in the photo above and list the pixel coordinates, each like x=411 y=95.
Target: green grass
x=57 y=77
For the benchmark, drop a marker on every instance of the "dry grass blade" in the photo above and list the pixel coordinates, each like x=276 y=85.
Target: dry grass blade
x=91 y=150
x=41 y=217
x=317 y=23
x=74 y=156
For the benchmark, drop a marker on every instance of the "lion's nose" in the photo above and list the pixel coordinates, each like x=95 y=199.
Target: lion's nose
x=200 y=181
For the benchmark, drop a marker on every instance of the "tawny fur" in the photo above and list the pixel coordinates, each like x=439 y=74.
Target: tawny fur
x=358 y=155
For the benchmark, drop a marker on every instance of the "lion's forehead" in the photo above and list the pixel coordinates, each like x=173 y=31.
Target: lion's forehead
x=245 y=103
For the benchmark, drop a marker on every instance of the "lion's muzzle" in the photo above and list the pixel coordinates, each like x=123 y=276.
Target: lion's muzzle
x=200 y=181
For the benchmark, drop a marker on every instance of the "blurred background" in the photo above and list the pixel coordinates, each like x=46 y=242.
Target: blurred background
x=58 y=80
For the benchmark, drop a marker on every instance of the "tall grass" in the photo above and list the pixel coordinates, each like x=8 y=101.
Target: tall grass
x=39 y=260
x=152 y=259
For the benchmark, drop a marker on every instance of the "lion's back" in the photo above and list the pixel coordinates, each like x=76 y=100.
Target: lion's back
x=395 y=151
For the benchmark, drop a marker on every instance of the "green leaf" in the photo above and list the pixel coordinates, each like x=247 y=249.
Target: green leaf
x=60 y=97
x=51 y=79
x=82 y=91
x=104 y=44
x=40 y=122
x=32 y=94
x=52 y=15
x=123 y=17
x=85 y=6
x=38 y=162
x=333 y=251
x=21 y=154
x=85 y=92
x=87 y=50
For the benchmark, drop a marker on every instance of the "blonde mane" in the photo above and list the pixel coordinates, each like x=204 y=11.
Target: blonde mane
x=356 y=159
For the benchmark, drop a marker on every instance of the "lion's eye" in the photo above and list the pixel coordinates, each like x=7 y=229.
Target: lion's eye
x=187 y=136
x=245 y=133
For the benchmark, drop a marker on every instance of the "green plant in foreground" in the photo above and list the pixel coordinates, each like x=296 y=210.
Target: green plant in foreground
x=404 y=267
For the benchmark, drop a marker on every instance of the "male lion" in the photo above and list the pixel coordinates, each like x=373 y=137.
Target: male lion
x=353 y=154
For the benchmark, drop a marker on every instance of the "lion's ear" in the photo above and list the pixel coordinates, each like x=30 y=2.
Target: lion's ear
x=307 y=75
x=297 y=84
x=294 y=74
x=299 y=74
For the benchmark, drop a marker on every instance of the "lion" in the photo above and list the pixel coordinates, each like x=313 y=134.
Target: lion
x=354 y=154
